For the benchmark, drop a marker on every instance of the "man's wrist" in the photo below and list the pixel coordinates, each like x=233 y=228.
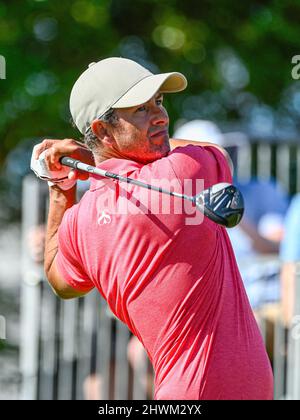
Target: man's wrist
x=64 y=184
x=60 y=196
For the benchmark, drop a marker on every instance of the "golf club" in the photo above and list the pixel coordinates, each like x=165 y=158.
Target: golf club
x=223 y=203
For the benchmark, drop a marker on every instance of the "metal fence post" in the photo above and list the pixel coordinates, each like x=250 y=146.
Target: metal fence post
x=32 y=204
x=279 y=360
x=296 y=333
x=293 y=362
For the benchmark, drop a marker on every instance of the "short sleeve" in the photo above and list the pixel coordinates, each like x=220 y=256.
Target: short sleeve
x=197 y=162
x=290 y=245
x=68 y=258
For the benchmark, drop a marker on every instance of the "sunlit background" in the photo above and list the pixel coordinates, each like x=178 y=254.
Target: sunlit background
x=237 y=57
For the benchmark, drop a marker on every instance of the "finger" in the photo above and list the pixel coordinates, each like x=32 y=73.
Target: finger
x=39 y=148
x=67 y=147
x=55 y=145
x=75 y=174
x=54 y=155
x=50 y=161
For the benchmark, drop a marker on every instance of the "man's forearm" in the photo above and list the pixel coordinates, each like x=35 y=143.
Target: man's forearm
x=59 y=202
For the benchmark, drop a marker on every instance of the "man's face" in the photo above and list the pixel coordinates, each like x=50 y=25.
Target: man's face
x=141 y=133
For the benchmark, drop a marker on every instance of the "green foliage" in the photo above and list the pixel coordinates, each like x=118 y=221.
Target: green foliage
x=236 y=56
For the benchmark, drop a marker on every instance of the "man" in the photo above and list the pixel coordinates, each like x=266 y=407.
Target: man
x=175 y=284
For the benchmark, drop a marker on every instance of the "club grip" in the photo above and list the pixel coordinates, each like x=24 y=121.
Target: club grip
x=68 y=161
x=77 y=164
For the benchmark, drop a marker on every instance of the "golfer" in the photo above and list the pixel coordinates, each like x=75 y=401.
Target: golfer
x=172 y=280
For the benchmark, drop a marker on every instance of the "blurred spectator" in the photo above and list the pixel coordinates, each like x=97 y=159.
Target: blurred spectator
x=36 y=243
x=289 y=255
x=92 y=386
x=138 y=360
x=266 y=206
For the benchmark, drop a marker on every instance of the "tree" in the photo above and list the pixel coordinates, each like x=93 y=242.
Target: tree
x=236 y=56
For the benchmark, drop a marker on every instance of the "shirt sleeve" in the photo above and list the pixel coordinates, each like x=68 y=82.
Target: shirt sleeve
x=290 y=245
x=68 y=260
x=197 y=162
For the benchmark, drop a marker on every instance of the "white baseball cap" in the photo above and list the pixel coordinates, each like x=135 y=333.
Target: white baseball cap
x=117 y=83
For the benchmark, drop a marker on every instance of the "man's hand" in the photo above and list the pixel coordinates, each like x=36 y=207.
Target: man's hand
x=55 y=149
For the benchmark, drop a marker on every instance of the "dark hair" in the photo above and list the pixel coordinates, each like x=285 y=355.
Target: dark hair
x=109 y=116
x=89 y=138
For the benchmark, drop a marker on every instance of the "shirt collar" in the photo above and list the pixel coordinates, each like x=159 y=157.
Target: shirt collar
x=118 y=166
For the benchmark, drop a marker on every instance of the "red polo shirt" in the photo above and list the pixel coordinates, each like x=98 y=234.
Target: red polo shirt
x=170 y=274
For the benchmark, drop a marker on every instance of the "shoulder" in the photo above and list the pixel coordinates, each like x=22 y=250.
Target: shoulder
x=200 y=149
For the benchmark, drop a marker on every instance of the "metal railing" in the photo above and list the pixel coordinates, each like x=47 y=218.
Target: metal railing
x=271 y=161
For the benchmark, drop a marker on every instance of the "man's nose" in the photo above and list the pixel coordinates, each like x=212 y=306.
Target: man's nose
x=159 y=116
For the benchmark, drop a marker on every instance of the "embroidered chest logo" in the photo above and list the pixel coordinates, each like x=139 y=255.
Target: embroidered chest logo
x=104 y=219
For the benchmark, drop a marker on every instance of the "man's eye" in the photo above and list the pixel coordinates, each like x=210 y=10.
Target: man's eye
x=159 y=101
x=141 y=108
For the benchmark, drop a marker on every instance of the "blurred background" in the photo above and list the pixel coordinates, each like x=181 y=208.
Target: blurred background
x=240 y=59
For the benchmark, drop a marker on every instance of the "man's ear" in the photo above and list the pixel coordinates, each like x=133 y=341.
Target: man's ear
x=100 y=130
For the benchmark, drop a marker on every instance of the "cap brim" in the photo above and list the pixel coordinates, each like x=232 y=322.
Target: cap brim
x=146 y=88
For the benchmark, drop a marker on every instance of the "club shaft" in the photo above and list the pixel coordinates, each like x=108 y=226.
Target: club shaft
x=77 y=164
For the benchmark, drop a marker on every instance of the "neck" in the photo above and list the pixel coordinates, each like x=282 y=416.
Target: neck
x=108 y=154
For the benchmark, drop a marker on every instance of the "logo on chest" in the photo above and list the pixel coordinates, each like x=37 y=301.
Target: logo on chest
x=104 y=218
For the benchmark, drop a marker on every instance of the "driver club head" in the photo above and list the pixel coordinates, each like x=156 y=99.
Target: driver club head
x=223 y=203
